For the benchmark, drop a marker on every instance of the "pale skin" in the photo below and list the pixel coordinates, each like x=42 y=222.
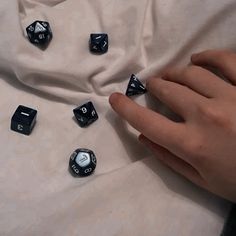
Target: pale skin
x=202 y=148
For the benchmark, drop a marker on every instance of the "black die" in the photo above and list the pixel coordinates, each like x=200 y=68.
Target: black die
x=82 y=162
x=23 y=120
x=135 y=87
x=39 y=33
x=85 y=114
x=98 y=43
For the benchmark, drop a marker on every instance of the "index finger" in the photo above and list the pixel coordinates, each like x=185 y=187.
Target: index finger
x=154 y=126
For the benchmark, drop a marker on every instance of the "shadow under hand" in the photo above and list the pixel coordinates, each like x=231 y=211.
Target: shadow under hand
x=134 y=149
x=188 y=190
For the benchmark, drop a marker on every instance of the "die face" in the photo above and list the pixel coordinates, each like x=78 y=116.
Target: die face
x=20 y=128
x=86 y=114
x=23 y=120
x=99 y=43
x=39 y=33
x=135 y=87
x=83 y=159
x=82 y=162
x=24 y=114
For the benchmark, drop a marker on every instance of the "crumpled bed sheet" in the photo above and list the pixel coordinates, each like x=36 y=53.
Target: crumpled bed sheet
x=130 y=193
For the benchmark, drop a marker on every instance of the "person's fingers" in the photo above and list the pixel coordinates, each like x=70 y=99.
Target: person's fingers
x=224 y=61
x=198 y=79
x=179 y=98
x=153 y=125
x=174 y=162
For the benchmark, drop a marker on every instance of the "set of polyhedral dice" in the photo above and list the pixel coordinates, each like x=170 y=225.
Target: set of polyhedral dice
x=82 y=161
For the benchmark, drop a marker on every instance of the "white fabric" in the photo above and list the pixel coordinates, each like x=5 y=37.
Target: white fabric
x=131 y=193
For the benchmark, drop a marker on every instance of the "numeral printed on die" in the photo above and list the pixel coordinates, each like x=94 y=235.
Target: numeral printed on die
x=93 y=113
x=75 y=169
x=88 y=170
x=84 y=110
x=20 y=127
x=41 y=36
x=31 y=28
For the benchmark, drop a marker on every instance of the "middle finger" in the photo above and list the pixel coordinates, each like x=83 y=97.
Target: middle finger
x=179 y=98
x=199 y=80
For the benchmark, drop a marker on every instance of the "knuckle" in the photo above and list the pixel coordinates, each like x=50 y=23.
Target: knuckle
x=150 y=82
x=171 y=73
x=192 y=146
x=190 y=71
x=164 y=90
x=215 y=116
x=194 y=150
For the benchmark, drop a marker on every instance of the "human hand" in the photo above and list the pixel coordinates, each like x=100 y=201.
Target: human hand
x=202 y=147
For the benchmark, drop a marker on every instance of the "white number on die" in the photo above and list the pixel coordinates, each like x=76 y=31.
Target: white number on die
x=93 y=113
x=88 y=170
x=20 y=127
x=41 y=36
x=31 y=28
x=84 y=110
